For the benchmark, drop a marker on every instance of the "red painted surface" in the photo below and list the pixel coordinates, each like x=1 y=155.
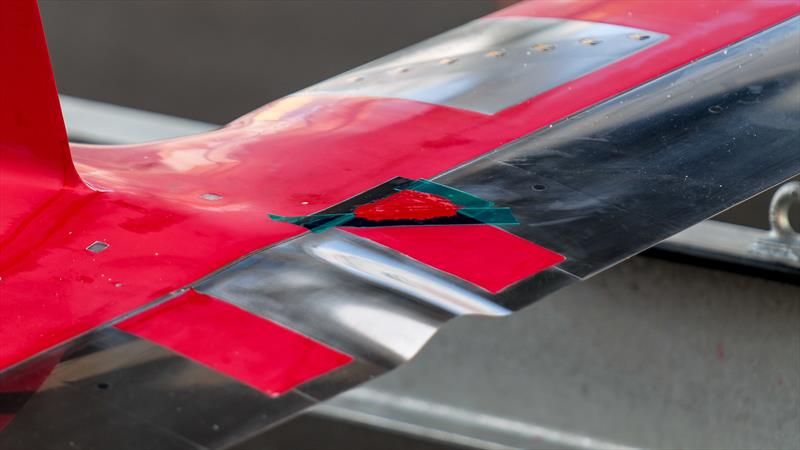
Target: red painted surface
x=253 y=350
x=407 y=205
x=481 y=254
x=292 y=157
x=35 y=163
x=32 y=134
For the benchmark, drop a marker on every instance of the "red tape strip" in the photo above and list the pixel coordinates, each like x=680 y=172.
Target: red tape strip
x=481 y=254
x=253 y=350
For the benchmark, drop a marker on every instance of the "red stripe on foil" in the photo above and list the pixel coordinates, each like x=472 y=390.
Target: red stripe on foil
x=481 y=254
x=253 y=350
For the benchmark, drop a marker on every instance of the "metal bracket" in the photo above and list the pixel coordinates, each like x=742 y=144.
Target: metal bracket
x=782 y=243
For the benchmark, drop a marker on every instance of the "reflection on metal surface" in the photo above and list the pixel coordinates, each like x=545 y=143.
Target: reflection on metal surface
x=149 y=396
x=491 y=64
x=103 y=123
x=362 y=298
x=340 y=380
x=709 y=236
x=383 y=270
x=632 y=171
x=452 y=424
x=405 y=336
x=349 y=293
x=785 y=198
x=782 y=243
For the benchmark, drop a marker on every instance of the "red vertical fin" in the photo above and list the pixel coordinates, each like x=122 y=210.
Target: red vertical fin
x=35 y=161
x=33 y=139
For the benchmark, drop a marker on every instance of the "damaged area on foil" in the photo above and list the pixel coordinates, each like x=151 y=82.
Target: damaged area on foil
x=404 y=202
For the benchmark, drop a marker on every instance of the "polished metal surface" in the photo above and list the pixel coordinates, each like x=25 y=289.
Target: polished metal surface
x=634 y=170
x=350 y=293
x=786 y=197
x=708 y=237
x=492 y=63
x=361 y=298
x=389 y=270
x=113 y=390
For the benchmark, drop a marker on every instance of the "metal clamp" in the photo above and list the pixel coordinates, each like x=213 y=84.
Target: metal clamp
x=782 y=243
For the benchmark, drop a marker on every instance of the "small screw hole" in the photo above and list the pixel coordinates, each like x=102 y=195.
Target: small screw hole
x=97 y=247
x=539 y=187
x=103 y=385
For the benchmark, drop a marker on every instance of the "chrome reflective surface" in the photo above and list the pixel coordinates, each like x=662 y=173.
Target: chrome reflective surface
x=782 y=243
x=105 y=127
x=492 y=63
x=630 y=172
x=120 y=125
x=386 y=269
x=785 y=198
x=361 y=298
x=349 y=293
x=113 y=390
